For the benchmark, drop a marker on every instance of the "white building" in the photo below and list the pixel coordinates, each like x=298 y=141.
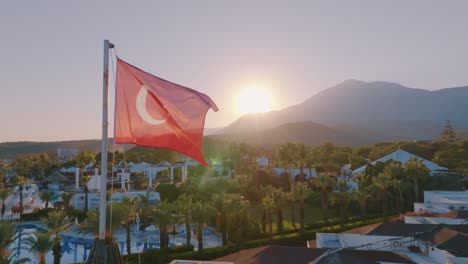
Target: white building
x=403 y=157
x=67 y=153
x=78 y=200
x=443 y=201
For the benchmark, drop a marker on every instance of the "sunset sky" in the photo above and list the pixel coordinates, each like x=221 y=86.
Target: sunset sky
x=51 y=53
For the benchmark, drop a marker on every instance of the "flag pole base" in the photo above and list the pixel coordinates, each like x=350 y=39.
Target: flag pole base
x=105 y=251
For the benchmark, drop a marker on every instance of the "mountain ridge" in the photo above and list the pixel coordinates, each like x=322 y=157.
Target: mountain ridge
x=354 y=102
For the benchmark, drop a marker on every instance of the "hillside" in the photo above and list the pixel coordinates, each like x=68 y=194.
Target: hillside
x=382 y=110
x=12 y=149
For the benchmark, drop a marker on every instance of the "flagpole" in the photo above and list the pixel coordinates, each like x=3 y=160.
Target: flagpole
x=105 y=126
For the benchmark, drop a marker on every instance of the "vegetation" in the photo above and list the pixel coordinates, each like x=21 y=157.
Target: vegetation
x=255 y=207
x=40 y=244
x=57 y=222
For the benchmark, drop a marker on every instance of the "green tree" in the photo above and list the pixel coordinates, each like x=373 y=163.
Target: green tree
x=219 y=203
x=4 y=193
x=82 y=159
x=279 y=198
x=46 y=196
x=301 y=156
x=127 y=216
x=268 y=205
x=299 y=192
x=57 y=222
x=201 y=214
x=20 y=181
x=66 y=197
x=325 y=185
x=287 y=156
x=448 y=135
x=342 y=198
x=381 y=186
x=40 y=244
x=416 y=170
x=361 y=197
x=163 y=215
x=184 y=206
x=7 y=233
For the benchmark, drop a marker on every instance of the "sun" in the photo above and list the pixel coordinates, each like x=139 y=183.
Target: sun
x=254 y=100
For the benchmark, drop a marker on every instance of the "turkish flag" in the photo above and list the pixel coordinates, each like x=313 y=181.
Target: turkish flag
x=150 y=111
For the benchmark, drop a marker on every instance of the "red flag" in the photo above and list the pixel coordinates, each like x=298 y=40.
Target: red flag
x=150 y=111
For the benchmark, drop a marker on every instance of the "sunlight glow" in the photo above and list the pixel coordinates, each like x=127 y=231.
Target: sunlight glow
x=254 y=100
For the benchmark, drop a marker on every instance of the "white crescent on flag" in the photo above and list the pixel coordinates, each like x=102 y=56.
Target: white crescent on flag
x=141 y=107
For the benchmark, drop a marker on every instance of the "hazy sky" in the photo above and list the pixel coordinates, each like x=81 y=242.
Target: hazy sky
x=51 y=53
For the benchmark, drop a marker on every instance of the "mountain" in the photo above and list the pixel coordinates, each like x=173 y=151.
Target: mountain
x=9 y=150
x=380 y=110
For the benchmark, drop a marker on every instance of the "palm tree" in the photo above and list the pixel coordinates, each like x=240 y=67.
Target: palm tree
x=291 y=202
x=20 y=181
x=40 y=244
x=46 y=197
x=127 y=216
x=269 y=205
x=144 y=199
x=287 y=155
x=201 y=214
x=184 y=207
x=279 y=199
x=325 y=185
x=361 y=197
x=66 y=197
x=7 y=233
x=343 y=198
x=57 y=222
x=381 y=186
x=163 y=215
x=299 y=192
x=416 y=170
x=219 y=203
x=302 y=153
x=4 y=193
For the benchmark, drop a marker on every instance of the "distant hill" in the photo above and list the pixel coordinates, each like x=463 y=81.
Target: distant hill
x=307 y=132
x=12 y=149
x=378 y=111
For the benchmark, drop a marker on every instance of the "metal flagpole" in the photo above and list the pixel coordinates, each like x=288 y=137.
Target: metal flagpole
x=105 y=125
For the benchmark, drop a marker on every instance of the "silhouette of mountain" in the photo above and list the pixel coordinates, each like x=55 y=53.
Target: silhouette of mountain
x=379 y=111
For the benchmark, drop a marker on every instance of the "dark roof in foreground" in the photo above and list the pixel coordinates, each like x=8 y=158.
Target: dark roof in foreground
x=274 y=255
x=453 y=238
x=345 y=256
x=399 y=229
x=303 y=255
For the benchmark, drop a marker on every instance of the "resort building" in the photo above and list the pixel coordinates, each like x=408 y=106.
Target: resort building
x=78 y=200
x=443 y=201
x=403 y=157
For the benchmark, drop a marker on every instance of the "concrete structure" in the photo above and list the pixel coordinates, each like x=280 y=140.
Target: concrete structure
x=403 y=157
x=435 y=220
x=67 y=153
x=57 y=182
x=443 y=201
x=78 y=200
